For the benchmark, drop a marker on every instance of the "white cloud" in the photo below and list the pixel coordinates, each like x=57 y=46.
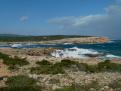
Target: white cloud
x=107 y=24
x=24 y=18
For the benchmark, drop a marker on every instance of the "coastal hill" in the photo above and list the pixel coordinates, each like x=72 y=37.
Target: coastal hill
x=80 y=40
x=52 y=39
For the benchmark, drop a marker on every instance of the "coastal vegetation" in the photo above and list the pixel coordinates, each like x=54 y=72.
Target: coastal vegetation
x=45 y=67
x=24 y=83
x=13 y=62
x=105 y=66
x=18 y=38
x=21 y=83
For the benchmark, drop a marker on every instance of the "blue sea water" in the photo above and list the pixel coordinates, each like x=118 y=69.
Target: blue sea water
x=113 y=47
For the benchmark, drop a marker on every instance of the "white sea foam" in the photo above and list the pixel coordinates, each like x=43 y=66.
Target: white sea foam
x=111 y=41
x=112 y=56
x=74 y=53
x=16 y=45
x=67 y=43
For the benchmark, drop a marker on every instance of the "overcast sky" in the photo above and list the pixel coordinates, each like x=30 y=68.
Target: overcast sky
x=48 y=17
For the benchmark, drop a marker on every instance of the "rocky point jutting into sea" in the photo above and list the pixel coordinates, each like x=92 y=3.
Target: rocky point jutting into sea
x=80 y=40
x=46 y=40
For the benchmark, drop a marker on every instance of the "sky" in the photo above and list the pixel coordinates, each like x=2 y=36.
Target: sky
x=61 y=17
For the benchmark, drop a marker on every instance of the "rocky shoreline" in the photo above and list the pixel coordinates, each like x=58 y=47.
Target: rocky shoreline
x=72 y=74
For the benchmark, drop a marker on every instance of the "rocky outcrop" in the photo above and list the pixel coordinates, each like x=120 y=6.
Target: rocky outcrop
x=40 y=51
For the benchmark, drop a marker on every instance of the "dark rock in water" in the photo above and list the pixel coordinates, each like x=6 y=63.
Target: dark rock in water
x=93 y=55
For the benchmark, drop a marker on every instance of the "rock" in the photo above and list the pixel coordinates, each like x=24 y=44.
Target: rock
x=93 y=55
x=39 y=51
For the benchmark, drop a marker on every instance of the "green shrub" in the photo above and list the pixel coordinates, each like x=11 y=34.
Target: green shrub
x=105 y=66
x=48 y=69
x=92 y=68
x=108 y=66
x=20 y=81
x=67 y=62
x=66 y=89
x=44 y=62
x=29 y=88
x=43 y=69
x=13 y=63
x=57 y=68
x=3 y=56
x=16 y=61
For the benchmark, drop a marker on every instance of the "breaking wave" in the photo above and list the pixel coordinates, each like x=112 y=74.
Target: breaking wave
x=76 y=52
x=112 y=56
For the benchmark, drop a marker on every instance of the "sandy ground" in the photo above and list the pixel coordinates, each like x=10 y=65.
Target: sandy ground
x=4 y=70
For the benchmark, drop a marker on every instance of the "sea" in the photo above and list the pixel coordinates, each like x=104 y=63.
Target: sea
x=111 y=49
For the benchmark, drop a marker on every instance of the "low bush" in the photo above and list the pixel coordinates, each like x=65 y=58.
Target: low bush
x=45 y=69
x=105 y=66
x=48 y=69
x=16 y=61
x=13 y=63
x=3 y=56
x=66 y=62
x=43 y=62
x=92 y=69
x=21 y=83
x=33 y=88
x=57 y=68
x=108 y=66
